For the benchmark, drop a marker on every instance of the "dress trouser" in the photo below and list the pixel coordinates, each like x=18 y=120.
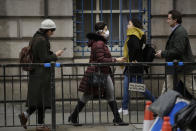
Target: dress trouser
x=188 y=81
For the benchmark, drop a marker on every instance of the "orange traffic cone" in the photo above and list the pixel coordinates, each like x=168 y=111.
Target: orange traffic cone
x=166 y=124
x=148 y=117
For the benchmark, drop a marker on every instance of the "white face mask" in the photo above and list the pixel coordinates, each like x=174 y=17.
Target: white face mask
x=106 y=34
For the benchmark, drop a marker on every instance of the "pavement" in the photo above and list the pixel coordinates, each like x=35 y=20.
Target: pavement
x=81 y=128
x=85 y=119
x=92 y=121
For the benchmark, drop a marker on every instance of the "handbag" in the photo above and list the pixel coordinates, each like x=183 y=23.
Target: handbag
x=97 y=79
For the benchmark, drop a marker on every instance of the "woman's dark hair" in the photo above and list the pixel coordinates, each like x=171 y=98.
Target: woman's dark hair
x=176 y=15
x=99 y=26
x=137 y=23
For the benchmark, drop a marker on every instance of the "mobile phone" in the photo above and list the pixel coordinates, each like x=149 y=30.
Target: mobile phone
x=64 y=49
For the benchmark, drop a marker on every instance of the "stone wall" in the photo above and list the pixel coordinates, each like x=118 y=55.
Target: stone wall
x=19 y=20
x=160 y=28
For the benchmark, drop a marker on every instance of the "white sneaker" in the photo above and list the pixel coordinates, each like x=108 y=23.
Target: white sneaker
x=125 y=112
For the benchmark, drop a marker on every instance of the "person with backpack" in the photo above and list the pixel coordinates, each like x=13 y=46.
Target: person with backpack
x=178 y=48
x=39 y=92
x=133 y=53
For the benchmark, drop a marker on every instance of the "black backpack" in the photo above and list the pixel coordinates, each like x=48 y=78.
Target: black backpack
x=148 y=55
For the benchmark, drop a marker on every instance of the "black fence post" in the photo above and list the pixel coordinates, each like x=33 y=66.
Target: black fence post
x=175 y=74
x=5 y=97
x=53 y=103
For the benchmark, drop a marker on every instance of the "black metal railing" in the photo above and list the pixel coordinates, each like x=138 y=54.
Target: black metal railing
x=65 y=80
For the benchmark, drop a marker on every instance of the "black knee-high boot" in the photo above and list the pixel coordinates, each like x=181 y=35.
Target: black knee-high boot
x=73 y=118
x=117 y=120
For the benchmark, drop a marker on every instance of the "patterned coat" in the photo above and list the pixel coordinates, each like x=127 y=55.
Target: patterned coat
x=99 y=54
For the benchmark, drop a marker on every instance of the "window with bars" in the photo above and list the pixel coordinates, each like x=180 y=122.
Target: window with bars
x=115 y=13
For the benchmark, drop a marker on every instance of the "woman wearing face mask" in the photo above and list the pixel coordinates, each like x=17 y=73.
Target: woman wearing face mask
x=99 y=54
x=133 y=53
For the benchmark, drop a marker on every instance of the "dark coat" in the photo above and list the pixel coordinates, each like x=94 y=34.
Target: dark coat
x=39 y=90
x=178 y=48
x=99 y=54
x=135 y=53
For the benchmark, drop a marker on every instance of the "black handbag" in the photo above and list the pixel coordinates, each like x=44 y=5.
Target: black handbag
x=96 y=79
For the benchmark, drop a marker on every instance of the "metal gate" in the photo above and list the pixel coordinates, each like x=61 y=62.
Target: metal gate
x=115 y=13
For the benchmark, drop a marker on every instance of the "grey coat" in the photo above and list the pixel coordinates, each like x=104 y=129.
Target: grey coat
x=178 y=48
x=39 y=92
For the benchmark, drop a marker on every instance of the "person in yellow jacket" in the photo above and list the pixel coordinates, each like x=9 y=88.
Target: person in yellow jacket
x=133 y=53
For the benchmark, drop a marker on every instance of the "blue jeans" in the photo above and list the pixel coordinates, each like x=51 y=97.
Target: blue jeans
x=126 y=97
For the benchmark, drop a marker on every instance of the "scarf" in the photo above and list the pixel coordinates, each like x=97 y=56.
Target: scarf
x=131 y=31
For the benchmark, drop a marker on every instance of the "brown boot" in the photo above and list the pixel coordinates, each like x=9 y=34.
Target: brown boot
x=23 y=120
